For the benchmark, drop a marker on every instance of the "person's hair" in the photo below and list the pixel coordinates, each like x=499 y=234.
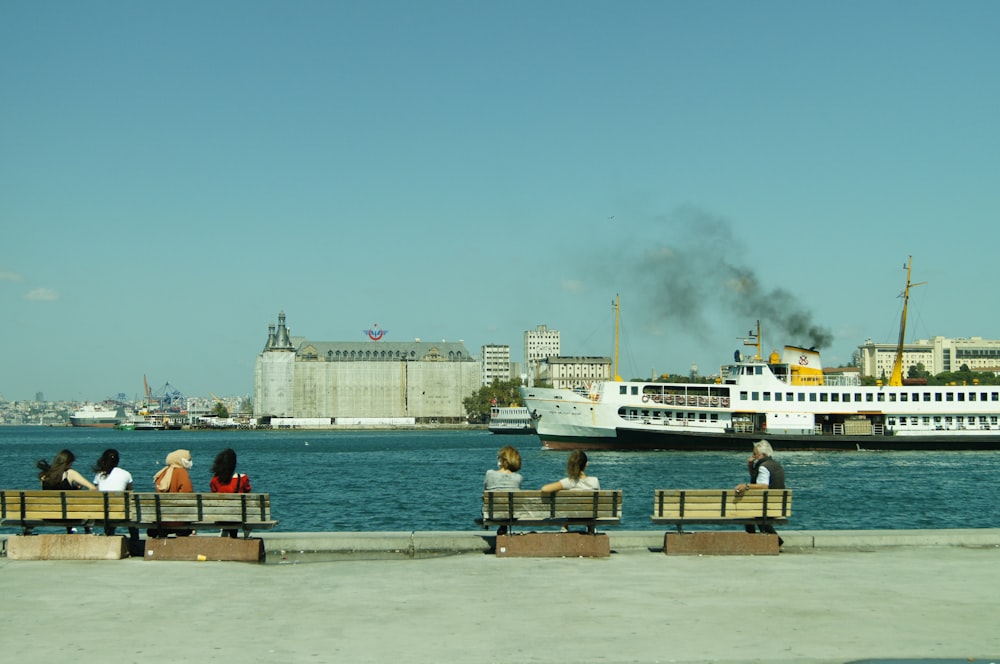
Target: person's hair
x=108 y=462
x=575 y=464
x=764 y=448
x=509 y=458
x=53 y=472
x=224 y=465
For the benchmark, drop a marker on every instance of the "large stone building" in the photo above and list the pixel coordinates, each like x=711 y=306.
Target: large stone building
x=362 y=381
x=574 y=373
x=937 y=355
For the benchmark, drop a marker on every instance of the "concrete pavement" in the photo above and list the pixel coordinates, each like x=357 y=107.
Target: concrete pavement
x=887 y=596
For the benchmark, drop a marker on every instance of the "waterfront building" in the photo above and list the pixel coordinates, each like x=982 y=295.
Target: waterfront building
x=937 y=355
x=574 y=372
x=495 y=360
x=362 y=382
x=539 y=344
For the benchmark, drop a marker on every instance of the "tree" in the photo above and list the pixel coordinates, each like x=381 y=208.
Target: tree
x=220 y=410
x=500 y=393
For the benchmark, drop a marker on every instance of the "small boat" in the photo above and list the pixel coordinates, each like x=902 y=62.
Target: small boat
x=93 y=415
x=514 y=419
x=785 y=397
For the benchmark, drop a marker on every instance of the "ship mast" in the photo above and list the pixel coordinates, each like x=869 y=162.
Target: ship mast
x=617 y=306
x=896 y=379
x=753 y=339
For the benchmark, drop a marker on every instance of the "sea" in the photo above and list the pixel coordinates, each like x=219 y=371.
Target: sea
x=431 y=480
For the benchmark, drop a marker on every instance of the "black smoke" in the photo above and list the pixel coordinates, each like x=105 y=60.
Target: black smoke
x=697 y=265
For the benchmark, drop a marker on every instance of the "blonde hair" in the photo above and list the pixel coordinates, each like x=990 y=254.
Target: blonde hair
x=509 y=458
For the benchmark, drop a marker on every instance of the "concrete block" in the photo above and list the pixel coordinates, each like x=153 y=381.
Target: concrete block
x=720 y=544
x=553 y=545
x=205 y=548
x=65 y=547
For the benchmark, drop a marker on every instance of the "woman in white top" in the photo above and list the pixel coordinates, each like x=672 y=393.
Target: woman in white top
x=109 y=477
x=577 y=479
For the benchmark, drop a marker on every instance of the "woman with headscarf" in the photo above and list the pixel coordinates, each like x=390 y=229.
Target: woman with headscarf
x=174 y=478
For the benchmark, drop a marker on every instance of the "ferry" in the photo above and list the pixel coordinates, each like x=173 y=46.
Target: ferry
x=92 y=415
x=514 y=419
x=785 y=398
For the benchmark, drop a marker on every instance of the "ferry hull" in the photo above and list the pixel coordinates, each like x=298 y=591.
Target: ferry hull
x=93 y=423
x=627 y=440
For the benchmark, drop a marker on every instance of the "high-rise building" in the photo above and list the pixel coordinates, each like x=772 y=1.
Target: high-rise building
x=496 y=363
x=539 y=344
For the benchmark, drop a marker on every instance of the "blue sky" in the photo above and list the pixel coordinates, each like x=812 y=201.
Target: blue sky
x=173 y=175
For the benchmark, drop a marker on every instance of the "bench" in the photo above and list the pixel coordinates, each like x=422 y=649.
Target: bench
x=680 y=507
x=193 y=511
x=562 y=508
x=70 y=509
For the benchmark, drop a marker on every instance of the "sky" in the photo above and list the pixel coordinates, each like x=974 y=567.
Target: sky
x=175 y=175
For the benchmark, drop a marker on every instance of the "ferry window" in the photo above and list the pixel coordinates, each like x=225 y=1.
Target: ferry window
x=789 y=396
x=635 y=390
x=834 y=397
x=913 y=421
x=995 y=396
x=881 y=396
x=961 y=396
x=703 y=417
x=947 y=420
x=714 y=417
x=903 y=396
x=993 y=420
x=755 y=396
x=812 y=396
x=982 y=396
x=743 y=395
x=767 y=396
x=869 y=396
x=937 y=396
x=892 y=421
x=972 y=396
x=892 y=396
x=846 y=397
x=802 y=396
x=759 y=371
x=982 y=420
x=937 y=419
x=824 y=397
x=927 y=396
x=622 y=389
x=902 y=421
x=777 y=396
x=927 y=420
x=949 y=396
x=857 y=397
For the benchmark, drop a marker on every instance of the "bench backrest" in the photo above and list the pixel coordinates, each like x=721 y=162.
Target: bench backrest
x=501 y=506
x=60 y=506
x=721 y=504
x=156 y=508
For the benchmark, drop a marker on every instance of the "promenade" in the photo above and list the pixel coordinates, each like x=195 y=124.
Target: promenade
x=845 y=596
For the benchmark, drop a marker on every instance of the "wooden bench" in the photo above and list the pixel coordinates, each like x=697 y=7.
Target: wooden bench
x=122 y=509
x=193 y=511
x=680 y=507
x=564 y=509
x=516 y=509
x=70 y=509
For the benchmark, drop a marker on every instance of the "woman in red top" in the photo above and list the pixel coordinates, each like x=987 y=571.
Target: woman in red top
x=225 y=479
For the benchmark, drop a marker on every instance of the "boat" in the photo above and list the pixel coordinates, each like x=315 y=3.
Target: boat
x=94 y=415
x=511 y=420
x=785 y=398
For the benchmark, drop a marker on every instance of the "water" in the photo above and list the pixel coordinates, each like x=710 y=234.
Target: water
x=432 y=480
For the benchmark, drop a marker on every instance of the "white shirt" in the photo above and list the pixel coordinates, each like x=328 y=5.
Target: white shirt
x=117 y=480
x=763 y=476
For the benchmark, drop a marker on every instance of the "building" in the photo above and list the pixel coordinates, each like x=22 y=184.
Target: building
x=362 y=382
x=539 y=344
x=496 y=363
x=574 y=372
x=937 y=355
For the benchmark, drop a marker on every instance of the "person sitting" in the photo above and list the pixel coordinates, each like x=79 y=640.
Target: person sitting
x=577 y=479
x=109 y=476
x=225 y=479
x=505 y=477
x=173 y=478
x=60 y=476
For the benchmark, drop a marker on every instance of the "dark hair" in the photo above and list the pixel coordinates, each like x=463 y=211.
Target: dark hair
x=52 y=472
x=575 y=464
x=224 y=465
x=108 y=462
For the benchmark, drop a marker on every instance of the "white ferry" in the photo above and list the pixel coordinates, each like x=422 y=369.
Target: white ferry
x=785 y=398
x=514 y=419
x=93 y=415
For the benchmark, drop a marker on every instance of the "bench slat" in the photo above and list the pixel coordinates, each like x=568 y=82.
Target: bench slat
x=721 y=505
x=558 y=508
